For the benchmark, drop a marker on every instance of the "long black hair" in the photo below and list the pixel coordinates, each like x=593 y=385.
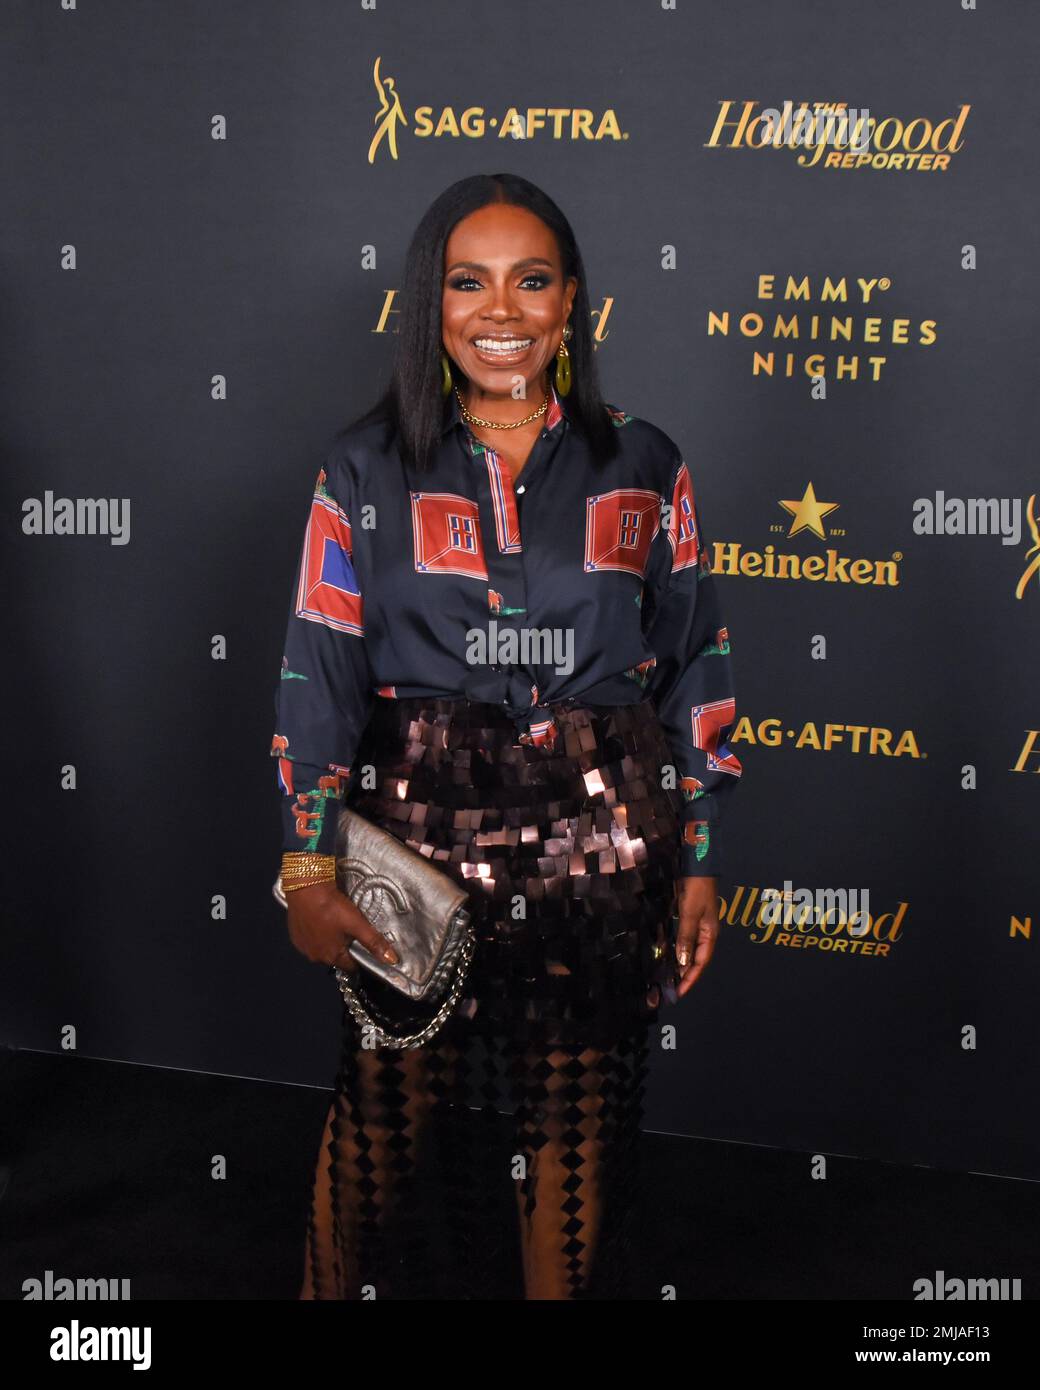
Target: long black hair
x=412 y=404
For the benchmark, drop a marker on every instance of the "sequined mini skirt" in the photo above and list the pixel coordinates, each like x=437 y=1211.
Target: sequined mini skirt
x=569 y=854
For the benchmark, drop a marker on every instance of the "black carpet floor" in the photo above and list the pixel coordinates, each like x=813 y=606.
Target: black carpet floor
x=108 y=1175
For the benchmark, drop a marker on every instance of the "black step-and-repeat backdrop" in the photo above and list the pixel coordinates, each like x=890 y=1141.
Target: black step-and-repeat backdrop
x=810 y=231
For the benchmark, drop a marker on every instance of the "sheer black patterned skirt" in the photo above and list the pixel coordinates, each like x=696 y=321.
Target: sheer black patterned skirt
x=501 y=1159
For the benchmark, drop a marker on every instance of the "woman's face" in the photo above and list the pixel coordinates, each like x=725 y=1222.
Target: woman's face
x=503 y=284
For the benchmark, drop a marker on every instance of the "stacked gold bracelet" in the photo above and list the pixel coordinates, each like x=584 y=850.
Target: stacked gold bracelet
x=302 y=870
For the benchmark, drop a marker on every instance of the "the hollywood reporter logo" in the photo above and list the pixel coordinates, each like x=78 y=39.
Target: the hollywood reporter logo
x=833 y=135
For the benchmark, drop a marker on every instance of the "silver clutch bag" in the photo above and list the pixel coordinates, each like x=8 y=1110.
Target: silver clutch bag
x=419 y=909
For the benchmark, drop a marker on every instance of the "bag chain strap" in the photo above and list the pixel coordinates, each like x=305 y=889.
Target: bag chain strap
x=385 y=1039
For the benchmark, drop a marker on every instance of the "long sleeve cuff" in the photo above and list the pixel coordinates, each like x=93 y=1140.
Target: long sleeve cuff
x=310 y=810
x=700 y=846
x=692 y=867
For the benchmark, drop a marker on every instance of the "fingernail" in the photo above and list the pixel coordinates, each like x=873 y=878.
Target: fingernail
x=391 y=955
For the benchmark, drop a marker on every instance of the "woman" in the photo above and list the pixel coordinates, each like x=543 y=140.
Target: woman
x=504 y=646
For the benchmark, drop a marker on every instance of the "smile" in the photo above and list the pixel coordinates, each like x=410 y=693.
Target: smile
x=502 y=347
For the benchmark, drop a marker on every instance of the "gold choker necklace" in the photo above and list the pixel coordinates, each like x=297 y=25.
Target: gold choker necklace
x=494 y=424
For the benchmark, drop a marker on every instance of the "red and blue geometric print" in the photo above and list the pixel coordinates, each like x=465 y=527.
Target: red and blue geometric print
x=446 y=535
x=328 y=592
x=707 y=722
x=682 y=532
x=620 y=527
x=446 y=527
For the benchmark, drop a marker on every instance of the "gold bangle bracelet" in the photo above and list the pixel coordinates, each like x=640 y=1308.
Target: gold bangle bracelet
x=311 y=883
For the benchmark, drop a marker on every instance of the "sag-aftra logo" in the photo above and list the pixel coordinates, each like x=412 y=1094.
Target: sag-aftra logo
x=476 y=122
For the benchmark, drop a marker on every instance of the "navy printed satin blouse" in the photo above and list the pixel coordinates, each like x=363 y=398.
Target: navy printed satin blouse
x=591 y=581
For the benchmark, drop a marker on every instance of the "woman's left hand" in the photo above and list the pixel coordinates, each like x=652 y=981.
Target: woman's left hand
x=698 y=928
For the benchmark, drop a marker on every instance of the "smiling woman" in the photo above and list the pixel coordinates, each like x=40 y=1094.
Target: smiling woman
x=503 y=322
x=578 y=802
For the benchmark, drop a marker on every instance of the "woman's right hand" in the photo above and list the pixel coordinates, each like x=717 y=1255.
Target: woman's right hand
x=323 y=922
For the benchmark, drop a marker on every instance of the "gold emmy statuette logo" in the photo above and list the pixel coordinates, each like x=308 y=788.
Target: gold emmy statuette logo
x=808 y=513
x=1033 y=567
x=389 y=115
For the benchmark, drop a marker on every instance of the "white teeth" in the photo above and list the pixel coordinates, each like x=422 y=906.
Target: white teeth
x=503 y=346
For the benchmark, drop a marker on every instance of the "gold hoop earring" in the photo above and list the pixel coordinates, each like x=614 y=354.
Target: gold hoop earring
x=446 y=381
x=563 y=364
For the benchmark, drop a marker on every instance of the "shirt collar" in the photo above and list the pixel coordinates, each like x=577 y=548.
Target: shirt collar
x=555 y=412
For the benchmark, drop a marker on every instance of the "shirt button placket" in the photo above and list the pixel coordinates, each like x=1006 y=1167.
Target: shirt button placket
x=503 y=557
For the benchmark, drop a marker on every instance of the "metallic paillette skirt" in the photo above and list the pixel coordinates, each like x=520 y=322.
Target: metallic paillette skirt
x=569 y=854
